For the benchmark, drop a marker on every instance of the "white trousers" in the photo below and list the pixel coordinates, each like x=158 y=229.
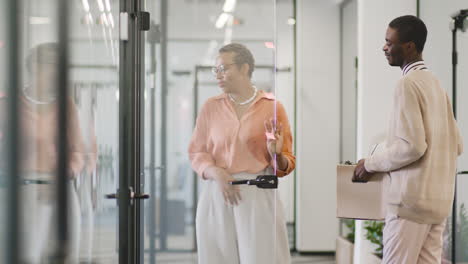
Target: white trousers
x=253 y=232
x=409 y=242
x=84 y=193
x=38 y=223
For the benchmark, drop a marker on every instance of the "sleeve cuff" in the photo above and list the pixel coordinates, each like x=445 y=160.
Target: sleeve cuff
x=202 y=169
x=368 y=165
x=280 y=172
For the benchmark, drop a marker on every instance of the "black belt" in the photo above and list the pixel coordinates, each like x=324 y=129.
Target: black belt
x=262 y=181
x=28 y=182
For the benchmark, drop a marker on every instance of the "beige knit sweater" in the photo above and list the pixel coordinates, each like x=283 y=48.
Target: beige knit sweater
x=420 y=151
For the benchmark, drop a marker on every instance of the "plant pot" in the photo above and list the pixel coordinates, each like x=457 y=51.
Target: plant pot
x=344 y=251
x=371 y=258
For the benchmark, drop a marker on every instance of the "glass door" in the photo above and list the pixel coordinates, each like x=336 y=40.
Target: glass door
x=185 y=63
x=94 y=87
x=71 y=114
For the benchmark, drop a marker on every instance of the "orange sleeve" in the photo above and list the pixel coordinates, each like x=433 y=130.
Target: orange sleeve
x=92 y=149
x=198 y=153
x=287 y=143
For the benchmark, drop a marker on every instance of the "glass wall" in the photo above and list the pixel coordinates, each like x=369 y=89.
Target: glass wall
x=179 y=79
x=80 y=89
x=39 y=155
x=90 y=137
x=3 y=109
x=438 y=55
x=94 y=87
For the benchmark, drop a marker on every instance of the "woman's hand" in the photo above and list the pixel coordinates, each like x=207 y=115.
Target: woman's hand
x=275 y=141
x=275 y=138
x=231 y=193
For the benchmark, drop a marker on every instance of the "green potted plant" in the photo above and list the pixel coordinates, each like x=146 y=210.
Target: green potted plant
x=345 y=242
x=462 y=237
x=374 y=233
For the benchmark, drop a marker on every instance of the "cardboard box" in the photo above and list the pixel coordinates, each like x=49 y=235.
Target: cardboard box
x=360 y=200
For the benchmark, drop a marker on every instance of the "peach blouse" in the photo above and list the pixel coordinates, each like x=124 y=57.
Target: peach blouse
x=39 y=137
x=222 y=140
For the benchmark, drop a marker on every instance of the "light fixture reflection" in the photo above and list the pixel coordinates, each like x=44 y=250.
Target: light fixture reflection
x=85 y=5
x=110 y=19
x=108 y=6
x=104 y=19
x=39 y=20
x=222 y=19
x=90 y=19
x=229 y=6
x=291 y=21
x=100 y=5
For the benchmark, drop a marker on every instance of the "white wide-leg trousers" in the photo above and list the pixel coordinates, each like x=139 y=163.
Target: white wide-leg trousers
x=253 y=232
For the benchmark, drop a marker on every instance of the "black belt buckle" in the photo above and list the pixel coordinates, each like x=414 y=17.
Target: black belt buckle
x=262 y=182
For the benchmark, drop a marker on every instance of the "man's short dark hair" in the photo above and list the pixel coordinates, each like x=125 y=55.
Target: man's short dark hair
x=410 y=28
x=242 y=55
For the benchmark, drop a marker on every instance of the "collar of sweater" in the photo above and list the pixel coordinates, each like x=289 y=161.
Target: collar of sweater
x=417 y=65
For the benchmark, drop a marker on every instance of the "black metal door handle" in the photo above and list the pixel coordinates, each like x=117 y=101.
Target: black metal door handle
x=133 y=196
x=141 y=196
x=111 y=196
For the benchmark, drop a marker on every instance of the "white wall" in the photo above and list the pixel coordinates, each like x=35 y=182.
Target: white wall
x=349 y=81
x=318 y=124
x=376 y=81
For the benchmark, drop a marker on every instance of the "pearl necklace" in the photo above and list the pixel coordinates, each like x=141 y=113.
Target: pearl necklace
x=35 y=101
x=248 y=100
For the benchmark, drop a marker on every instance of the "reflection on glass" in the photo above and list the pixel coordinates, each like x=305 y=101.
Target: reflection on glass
x=94 y=85
x=242 y=133
x=38 y=117
x=180 y=81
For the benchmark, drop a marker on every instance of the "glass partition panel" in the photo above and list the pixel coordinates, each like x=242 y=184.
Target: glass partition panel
x=38 y=116
x=206 y=106
x=439 y=57
x=94 y=86
x=4 y=177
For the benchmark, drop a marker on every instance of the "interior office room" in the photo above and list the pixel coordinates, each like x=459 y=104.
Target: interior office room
x=100 y=100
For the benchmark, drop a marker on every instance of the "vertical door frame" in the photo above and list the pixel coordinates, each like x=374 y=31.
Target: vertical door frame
x=131 y=106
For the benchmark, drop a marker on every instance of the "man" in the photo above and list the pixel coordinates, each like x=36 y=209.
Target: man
x=420 y=152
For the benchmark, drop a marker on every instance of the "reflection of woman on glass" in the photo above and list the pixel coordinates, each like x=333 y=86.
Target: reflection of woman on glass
x=38 y=116
x=238 y=135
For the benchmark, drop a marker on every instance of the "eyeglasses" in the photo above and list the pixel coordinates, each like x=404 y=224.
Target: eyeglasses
x=220 y=69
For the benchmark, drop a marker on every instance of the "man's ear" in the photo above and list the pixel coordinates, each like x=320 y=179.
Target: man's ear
x=410 y=46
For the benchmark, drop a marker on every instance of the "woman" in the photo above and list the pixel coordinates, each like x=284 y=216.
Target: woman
x=38 y=121
x=240 y=134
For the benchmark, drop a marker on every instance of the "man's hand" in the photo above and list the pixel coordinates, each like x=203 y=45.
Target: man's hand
x=360 y=174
